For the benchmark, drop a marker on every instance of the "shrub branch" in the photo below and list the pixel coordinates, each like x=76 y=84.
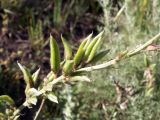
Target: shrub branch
x=119 y=58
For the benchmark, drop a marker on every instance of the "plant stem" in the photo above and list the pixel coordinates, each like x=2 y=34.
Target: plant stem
x=144 y=45
x=19 y=109
x=117 y=59
x=97 y=67
x=43 y=100
x=40 y=108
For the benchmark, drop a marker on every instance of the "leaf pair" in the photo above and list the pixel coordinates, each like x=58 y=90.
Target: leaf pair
x=68 y=65
x=88 y=50
x=86 y=53
x=92 y=47
x=81 y=51
x=55 y=54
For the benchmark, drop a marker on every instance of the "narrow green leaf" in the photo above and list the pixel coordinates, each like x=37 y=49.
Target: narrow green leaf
x=80 y=53
x=91 y=45
x=99 y=56
x=54 y=55
x=88 y=38
x=67 y=49
x=94 y=50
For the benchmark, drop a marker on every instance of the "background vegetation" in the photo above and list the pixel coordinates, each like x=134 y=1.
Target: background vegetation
x=25 y=26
